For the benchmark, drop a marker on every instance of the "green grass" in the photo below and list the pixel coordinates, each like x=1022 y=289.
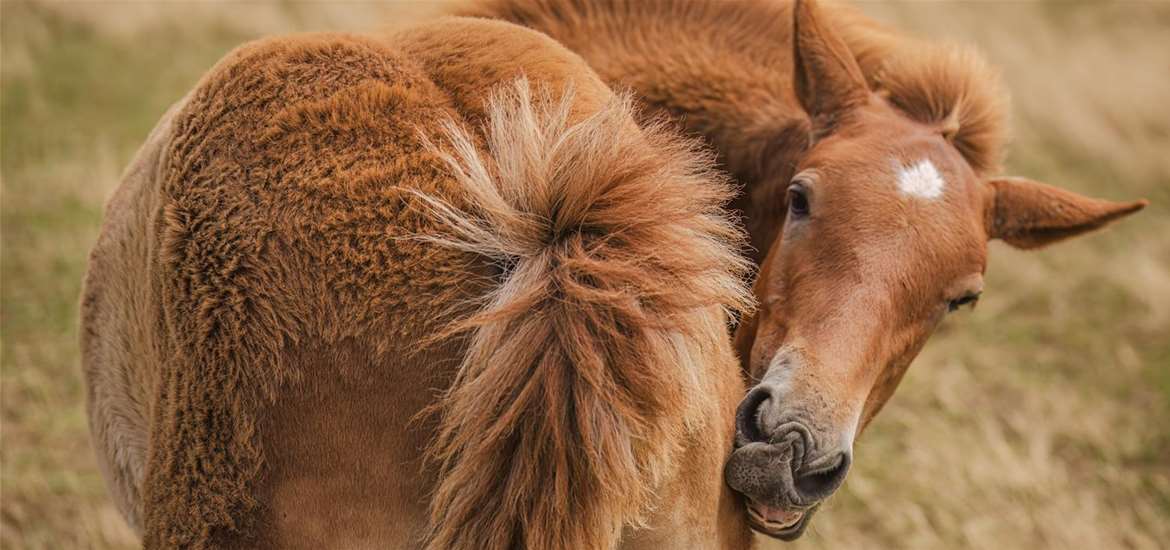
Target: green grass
x=1041 y=419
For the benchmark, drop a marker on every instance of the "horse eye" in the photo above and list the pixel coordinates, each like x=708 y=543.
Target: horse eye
x=970 y=299
x=797 y=200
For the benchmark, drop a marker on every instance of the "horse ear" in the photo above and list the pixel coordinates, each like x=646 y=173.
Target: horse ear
x=828 y=79
x=1029 y=214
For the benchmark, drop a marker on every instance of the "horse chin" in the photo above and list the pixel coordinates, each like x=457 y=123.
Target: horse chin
x=784 y=524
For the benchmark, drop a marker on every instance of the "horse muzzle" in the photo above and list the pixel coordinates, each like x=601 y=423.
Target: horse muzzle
x=776 y=465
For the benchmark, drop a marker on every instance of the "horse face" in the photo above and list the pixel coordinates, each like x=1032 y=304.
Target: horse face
x=883 y=236
x=885 y=232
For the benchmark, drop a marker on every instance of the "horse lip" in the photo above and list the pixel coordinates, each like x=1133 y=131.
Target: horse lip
x=751 y=493
x=795 y=515
x=786 y=533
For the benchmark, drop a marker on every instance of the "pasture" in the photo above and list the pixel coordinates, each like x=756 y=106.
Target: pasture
x=1040 y=419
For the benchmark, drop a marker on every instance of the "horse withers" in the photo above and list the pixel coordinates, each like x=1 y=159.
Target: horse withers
x=340 y=255
x=869 y=163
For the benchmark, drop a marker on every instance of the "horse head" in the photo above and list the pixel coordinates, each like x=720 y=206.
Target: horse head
x=885 y=230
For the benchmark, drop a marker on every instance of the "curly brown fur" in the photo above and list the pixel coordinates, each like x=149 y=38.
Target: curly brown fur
x=269 y=310
x=276 y=172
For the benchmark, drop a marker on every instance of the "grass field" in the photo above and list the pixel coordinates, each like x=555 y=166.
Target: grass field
x=1040 y=420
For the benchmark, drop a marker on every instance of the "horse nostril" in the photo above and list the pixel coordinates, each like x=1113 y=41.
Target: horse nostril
x=821 y=482
x=747 y=416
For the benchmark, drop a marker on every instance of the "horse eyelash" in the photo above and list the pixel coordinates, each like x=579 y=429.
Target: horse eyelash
x=970 y=299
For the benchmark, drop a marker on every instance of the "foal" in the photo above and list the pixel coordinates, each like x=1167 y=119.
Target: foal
x=339 y=253
x=869 y=164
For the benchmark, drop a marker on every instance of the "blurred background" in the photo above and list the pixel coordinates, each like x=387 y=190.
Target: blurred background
x=1039 y=420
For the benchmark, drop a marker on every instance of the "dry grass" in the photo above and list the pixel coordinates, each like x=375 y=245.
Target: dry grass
x=1042 y=419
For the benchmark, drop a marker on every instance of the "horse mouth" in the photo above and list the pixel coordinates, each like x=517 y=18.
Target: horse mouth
x=786 y=524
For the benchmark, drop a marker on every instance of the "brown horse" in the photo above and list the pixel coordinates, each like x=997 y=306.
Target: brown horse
x=869 y=166
x=339 y=252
